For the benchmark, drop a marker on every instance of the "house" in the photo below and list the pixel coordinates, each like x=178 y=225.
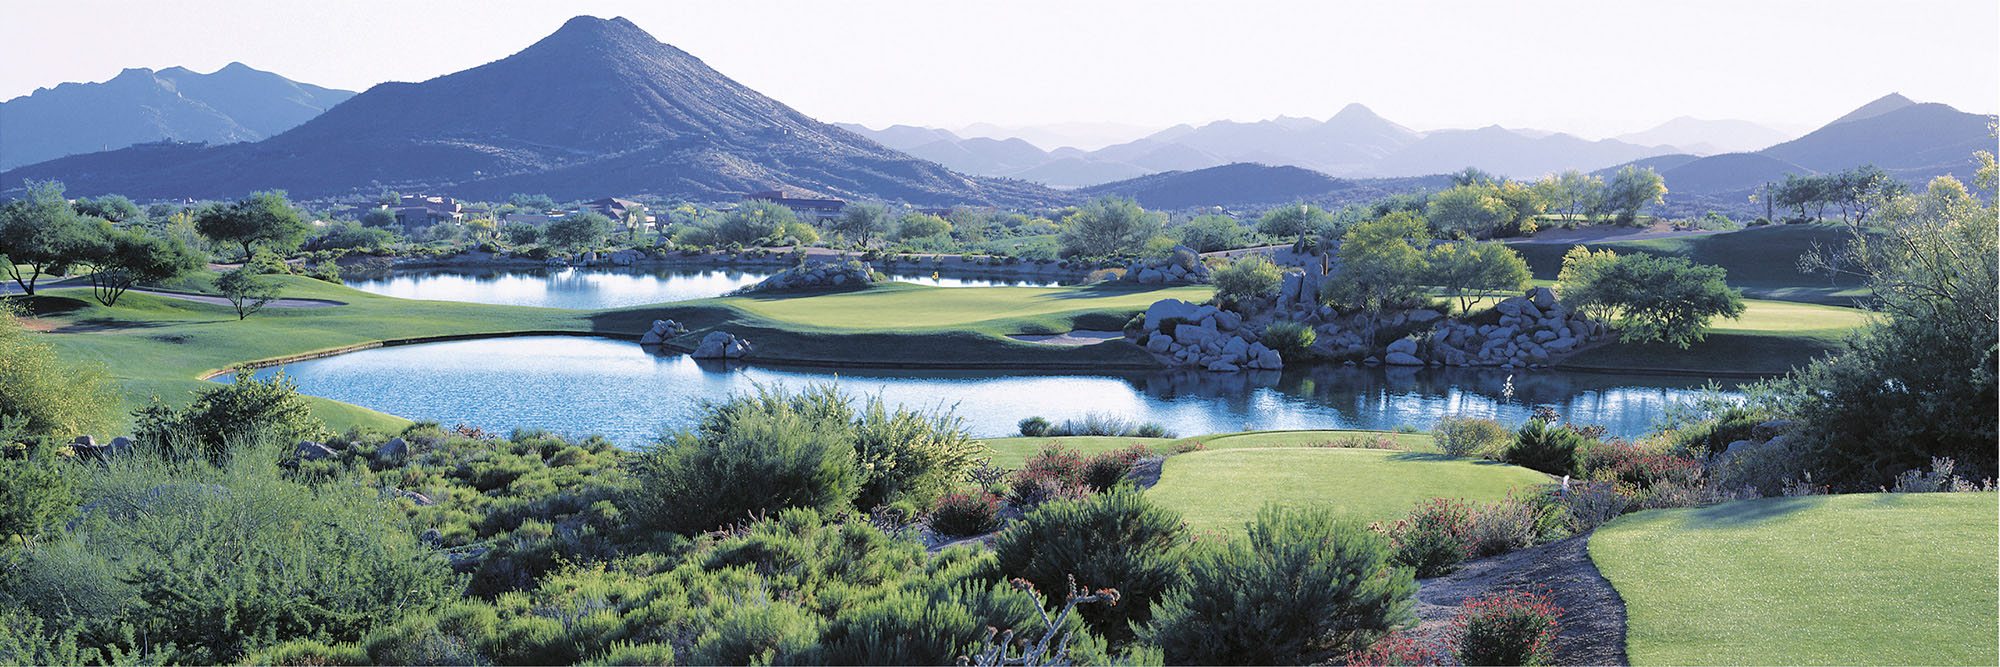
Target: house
x=419 y=211
x=805 y=207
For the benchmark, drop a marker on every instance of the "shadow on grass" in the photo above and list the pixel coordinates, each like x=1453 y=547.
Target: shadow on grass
x=1101 y=289
x=43 y=305
x=1434 y=457
x=1745 y=512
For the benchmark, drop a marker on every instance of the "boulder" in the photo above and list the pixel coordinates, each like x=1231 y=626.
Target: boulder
x=1266 y=359
x=715 y=345
x=1509 y=306
x=661 y=331
x=1164 y=309
x=1159 y=343
x=1402 y=359
x=1542 y=297
x=1403 y=346
x=1288 y=289
x=1424 y=316
x=1544 y=336
x=393 y=450
x=308 y=450
x=1228 y=321
x=1221 y=366
x=1772 y=429
x=1235 y=349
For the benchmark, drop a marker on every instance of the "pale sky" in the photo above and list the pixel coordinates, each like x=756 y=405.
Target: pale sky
x=1594 y=68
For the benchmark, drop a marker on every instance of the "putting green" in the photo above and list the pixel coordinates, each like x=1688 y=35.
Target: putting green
x=916 y=307
x=1862 y=579
x=1011 y=452
x=1221 y=490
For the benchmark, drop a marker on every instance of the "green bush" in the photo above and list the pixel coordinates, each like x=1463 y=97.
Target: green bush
x=1511 y=628
x=245 y=409
x=1301 y=588
x=1470 y=436
x=1292 y=340
x=1435 y=538
x=965 y=514
x=1034 y=427
x=756 y=632
x=34 y=495
x=908 y=456
x=934 y=624
x=1106 y=470
x=1113 y=540
x=1714 y=435
x=1245 y=280
x=1543 y=446
x=47 y=395
x=745 y=461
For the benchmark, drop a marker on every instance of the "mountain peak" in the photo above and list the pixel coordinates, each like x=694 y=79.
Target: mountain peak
x=1356 y=110
x=1881 y=105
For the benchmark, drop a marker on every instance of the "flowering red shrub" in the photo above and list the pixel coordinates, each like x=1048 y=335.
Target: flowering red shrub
x=1361 y=442
x=1105 y=470
x=1434 y=539
x=1635 y=464
x=1186 y=446
x=1398 y=648
x=1510 y=628
x=965 y=514
x=1055 y=471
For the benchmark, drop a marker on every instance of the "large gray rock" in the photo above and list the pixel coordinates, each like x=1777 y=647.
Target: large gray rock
x=308 y=450
x=1542 y=297
x=1424 y=316
x=715 y=345
x=1236 y=349
x=1404 y=346
x=1402 y=359
x=1159 y=343
x=1164 y=309
x=1266 y=359
x=1221 y=366
x=1772 y=429
x=661 y=331
x=392 y=451
x=1228 y=320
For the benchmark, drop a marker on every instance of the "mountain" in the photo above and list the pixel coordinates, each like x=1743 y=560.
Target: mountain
x=1707 y=137
x=1509 y=153
x=1250 y=185
x=1087 y=136
x=597 y=108
x=1912 y=141
x=232 y=104
x=901 y=137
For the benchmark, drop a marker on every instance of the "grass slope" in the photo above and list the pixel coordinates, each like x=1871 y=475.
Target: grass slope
x=1762 y=261
x=1864 y=579
x=1771 y=338
x=1221 y=490
x=1011 y=452
x=159 y=346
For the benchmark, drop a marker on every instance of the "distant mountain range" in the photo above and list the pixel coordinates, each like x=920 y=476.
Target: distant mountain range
x=232 y=104
x=1912 y=141
x=598 y=108
x=1247 y=185
x=1355 y=142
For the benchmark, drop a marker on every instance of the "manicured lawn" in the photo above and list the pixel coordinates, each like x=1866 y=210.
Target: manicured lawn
x=1221 y=490
x=1011 y=452
x=1762 y=261
x=1863 y=579
x=1771 y=338
x=158 y=346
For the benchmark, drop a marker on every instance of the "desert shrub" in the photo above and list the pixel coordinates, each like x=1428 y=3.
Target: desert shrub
x=1109 y=425
x=1470 y=436
x=1714 y=435
x=1115 y=540
x=1245 y=280
x=34 y=495
x=1106 y=470
x=50 y=397
x=930 y=623
x=1374 y=441
x=756 y=633
x=1511 y=628
x=1497 y=528
x=1301 y=588
x=243 y=410
x=1434 y=539
x=24 y=641
x=1034 y=427
x=1394 y=650
x=1292 y=340
x=907 y=455
x=308 y=652
x=1542 y=446
x=627 y=654
x=749 y=455
x=1939 y=479
x=965 y=514
x=1587 y=505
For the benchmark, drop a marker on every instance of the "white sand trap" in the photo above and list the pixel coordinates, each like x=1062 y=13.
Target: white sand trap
x=1078 y=337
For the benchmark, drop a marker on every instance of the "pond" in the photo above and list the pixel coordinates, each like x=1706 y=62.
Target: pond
x=582 y=385
x=590 y=289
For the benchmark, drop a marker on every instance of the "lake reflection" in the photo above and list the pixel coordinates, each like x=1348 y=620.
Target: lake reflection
x=581 y=385
x=594 y=288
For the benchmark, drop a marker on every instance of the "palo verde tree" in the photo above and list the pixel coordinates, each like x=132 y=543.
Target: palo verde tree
x=121 y=258
x=1631 y=191
x=1468 y=270
x=861 y=222
x=583 y=230
x=1663 y=299
x=263 y=218
x=247 y=290
x=1108 y=226
x=1380 y=265
x=1571 y=192
x=1298 y=220
x=40 y=234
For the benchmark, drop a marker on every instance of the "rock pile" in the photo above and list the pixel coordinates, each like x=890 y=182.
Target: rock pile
x=86 y=448
x=625 y=257
x=1182 y=266
x=721 y=345
x=1191 y=336
x=1533 y=330
x=817 y=274
x=661 y=331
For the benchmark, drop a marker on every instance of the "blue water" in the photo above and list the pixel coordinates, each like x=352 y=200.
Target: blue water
x=580 y=385
x=589 y=289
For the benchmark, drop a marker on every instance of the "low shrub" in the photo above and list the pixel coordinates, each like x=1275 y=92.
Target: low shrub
x=965 y=514
x=1939 y=479
x=1373 y=441
x=1542 y=446
x=1248 y=279
x=1434 y=539
x=1397 y=649
x=1713 y=435
x=1497 y=528
x=1116 y=540
x=1108 y=425
x=1587 y=505
x=1302 y=587
x=1510 y=628
x=1292 y=340
x=1470 y=436
x=751 y=455
x=1105 y=470
x=221 y=416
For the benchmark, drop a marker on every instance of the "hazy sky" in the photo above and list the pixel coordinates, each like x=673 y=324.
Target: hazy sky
x=1595 y=67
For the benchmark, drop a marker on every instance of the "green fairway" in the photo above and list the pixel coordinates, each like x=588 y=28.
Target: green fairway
x=1221 y=490
x=1010 y=452
x=1863 y=579
x=1771 y=338
x=1762 y=261
x=159 y=346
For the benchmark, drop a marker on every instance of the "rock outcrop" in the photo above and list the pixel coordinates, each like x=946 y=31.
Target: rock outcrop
x=661 y=331
x=1182 y=266
x=817 y=274
x=1187 y=335
x=1533 y=330
x=721 y=345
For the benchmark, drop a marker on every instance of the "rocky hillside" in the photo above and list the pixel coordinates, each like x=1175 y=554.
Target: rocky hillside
x=598 y=108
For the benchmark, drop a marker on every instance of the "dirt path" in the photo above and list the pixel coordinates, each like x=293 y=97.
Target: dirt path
x=1593 y=620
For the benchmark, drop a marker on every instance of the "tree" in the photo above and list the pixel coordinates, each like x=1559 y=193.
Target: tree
x=1473 y=176
x=1468 y=211
x=125 y=257
x=1380 y=265
x=861 y=221
x=1806 y=195
x=536 y=203
x=1632 y=190
x=754 y=222
x=264 y=218
x=378 y=217
x=520 y=233
x=1108 y=226
x=1297 y=220
x=1572 y=192
x=1664 y=299
x=574 y=232
x=112 y=208
x=1252 y=277
x=41 y=395
x=920 y=225
x=247 y=290
x=40 y=232
x=1859 y=191
x=1210 y=233
x=1469 y=270
x=1920 y=382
